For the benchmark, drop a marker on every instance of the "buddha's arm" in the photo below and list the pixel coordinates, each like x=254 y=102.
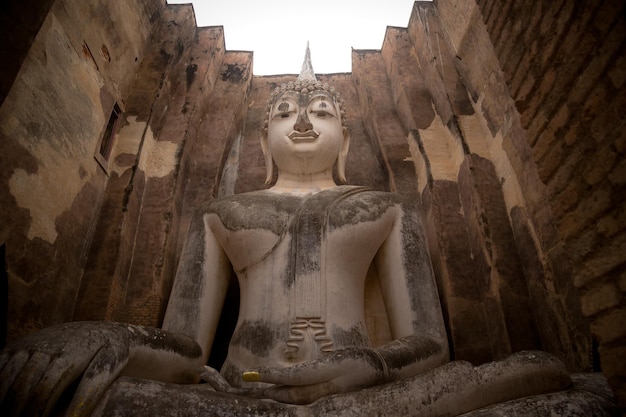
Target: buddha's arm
x=411 y=300
x=200 y=286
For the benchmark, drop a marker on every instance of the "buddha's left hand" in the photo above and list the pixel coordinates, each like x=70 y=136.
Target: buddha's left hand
x=343 y=370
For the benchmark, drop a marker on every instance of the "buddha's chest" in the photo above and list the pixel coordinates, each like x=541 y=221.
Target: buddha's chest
x=336 y=228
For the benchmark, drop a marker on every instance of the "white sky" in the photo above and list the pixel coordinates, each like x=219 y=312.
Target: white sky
x=277 y=31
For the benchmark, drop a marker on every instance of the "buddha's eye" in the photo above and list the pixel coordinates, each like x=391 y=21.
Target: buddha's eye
x=284 y=110
x=320 y=113
x=320 y=108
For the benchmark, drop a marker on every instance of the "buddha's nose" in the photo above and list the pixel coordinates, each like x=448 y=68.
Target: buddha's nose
x=302 y=123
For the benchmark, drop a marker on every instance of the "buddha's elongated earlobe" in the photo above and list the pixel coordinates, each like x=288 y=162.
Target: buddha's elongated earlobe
x=269 y=163
x=343 y=156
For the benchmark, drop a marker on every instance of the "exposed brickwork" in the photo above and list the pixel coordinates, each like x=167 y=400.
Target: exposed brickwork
x=568 y=86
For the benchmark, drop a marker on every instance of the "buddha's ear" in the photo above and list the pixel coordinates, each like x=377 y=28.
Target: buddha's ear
x=267 y=154
x=343 y=156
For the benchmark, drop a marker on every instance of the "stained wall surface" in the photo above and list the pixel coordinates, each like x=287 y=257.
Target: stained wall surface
x=81 y=62
x=503 y=120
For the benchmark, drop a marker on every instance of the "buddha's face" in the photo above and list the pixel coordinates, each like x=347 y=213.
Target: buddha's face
x=305 y=134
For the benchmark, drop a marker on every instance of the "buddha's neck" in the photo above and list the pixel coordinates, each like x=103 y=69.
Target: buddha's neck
x=303 y=184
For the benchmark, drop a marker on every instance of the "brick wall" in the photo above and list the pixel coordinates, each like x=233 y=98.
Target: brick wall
x=565 y=66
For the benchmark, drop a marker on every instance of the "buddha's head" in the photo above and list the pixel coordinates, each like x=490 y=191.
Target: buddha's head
x=304 y=131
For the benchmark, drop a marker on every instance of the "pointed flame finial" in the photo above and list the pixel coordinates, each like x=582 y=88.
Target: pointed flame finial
x=307 y=73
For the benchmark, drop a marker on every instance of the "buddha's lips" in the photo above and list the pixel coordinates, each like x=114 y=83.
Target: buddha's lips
x=308 y=136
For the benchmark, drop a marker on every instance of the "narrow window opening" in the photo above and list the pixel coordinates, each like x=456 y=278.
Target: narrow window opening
x=108 y=138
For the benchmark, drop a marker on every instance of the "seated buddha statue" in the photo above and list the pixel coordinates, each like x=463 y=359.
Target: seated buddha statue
x=301 y=251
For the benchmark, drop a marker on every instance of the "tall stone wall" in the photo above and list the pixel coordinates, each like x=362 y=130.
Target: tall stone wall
x=133 y=227
x=186 y=109
x=565 y=65
x=82 y=61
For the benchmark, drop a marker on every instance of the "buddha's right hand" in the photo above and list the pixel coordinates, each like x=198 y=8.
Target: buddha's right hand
x=36 y=370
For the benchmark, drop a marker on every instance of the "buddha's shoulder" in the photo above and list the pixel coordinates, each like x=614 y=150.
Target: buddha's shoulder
x=364 y=205
x=258 y=201
x=253 y=210
x=364 y=197
x=264 y=203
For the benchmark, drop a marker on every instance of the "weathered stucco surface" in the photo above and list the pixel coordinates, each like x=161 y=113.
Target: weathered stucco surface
x=51 y=122
x=61 y=151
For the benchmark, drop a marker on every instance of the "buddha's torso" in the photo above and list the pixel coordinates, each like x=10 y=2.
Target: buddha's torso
x=301 y=269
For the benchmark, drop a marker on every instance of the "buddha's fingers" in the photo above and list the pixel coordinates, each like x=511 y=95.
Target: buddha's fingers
x=215 y=379
x=18 y=394
x=105 y=367
x=9 y=374
x=304 y=394
x=307 y=373
x=59 y=375
x=4 y=360
x=336 y=365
